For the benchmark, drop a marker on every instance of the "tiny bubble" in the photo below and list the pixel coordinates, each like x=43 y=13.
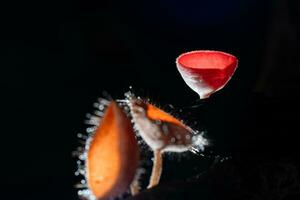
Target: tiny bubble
x=101 y=107
x=82 y=157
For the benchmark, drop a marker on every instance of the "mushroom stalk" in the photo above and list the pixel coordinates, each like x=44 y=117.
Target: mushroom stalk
x=156 y=169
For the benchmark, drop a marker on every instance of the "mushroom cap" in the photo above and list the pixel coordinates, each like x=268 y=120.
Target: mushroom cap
x=160 y=130
x=112 y=157
x=206 y=72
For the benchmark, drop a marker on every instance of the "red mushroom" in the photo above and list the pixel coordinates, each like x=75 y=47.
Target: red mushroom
x=206 y=72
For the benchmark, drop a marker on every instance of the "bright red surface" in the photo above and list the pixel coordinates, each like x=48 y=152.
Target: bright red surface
x=213 y=68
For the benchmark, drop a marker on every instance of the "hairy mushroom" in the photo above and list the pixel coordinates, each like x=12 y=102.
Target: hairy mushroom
x=162 y=132
x=112 y=155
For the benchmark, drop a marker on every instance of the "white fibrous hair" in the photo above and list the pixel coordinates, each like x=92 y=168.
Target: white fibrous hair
x=196 y=145
x=93 y=121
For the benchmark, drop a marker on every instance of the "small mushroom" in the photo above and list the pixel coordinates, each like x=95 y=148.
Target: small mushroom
x=206 y=72
x=161 y=131
x=112 y=155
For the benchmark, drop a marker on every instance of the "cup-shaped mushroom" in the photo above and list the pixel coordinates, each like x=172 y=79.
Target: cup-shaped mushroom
x=206 y=72
x=160 y=130
x=112 y=157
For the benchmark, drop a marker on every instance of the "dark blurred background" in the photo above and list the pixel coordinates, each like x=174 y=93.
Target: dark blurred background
x=57 y=57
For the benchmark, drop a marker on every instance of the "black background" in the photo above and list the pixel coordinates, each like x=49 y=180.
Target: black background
x=57 y=57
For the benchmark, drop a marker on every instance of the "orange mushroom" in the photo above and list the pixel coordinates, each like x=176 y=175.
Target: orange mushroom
x=162 y=132
x=112 y=155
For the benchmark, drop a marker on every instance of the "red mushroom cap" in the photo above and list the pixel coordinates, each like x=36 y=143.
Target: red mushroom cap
x=206 y=72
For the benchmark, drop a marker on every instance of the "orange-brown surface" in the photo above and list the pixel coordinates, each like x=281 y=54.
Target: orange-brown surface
x=155 y=113
x=113 y=155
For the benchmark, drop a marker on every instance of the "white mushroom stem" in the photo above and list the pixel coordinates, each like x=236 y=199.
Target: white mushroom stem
x=156 y=169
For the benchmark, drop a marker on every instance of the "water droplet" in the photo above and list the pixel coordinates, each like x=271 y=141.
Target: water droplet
x=101 y=107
